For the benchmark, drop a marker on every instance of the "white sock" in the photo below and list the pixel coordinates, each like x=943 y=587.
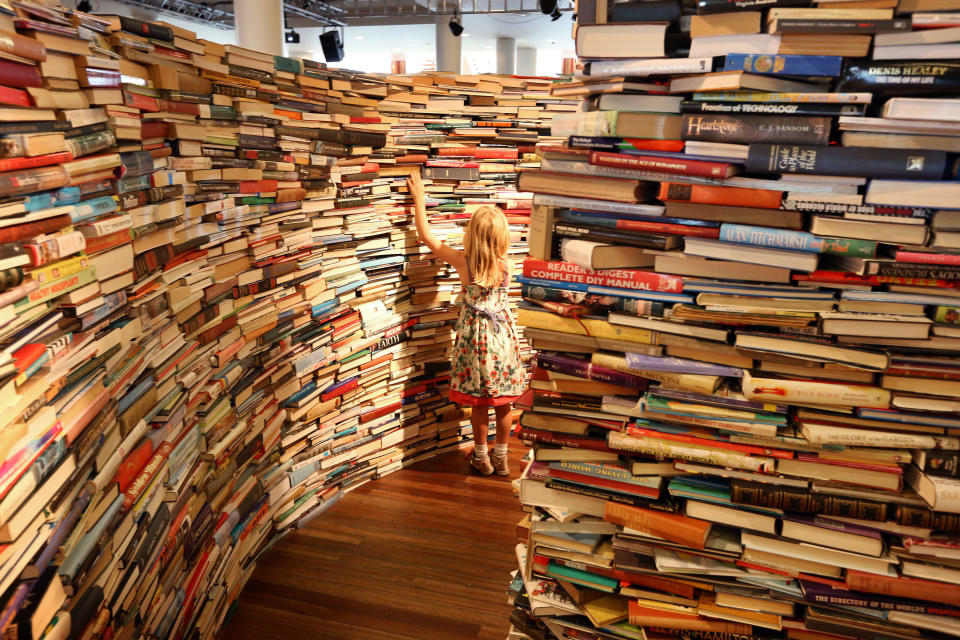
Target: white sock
x=500 y=450
x=480 y=450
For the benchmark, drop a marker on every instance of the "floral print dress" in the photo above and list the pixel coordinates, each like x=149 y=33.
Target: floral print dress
x=486 y=368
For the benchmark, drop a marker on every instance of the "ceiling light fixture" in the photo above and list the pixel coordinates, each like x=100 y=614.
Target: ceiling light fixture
x=85 y=6
x=555 y=15
x=455 y=27
x=291 y=37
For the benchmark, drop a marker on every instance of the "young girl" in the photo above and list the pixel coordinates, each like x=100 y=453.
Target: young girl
x=486 y=369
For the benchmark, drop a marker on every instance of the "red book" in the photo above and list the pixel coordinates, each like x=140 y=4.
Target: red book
x=904 y=587
x=370 y=167
x=456 y=152
x=257 y=186
x=919 y=257
x=496 y=153
x=30 y=229
x=143 y=479
x=16 y=97
x=563 y=440
x=668 y=227
x=98 y=77
x=140 y=101
x=845 y=277
x=616 y=278
x=12 y=164
x=20 y=75
x=153 y=129
x=131 y=466
x=364 y=120
x=27 y=355
x=677 y=166
x=643 y=144
x=715 y=194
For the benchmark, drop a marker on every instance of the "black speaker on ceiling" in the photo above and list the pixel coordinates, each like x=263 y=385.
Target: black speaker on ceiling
x=332 y=46
x=548 y=6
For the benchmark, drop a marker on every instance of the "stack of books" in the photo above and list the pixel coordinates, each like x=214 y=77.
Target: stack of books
x=742 y=290
x=215 y=318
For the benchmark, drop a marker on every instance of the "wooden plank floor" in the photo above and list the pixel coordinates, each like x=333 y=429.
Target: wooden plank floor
x=422 y=554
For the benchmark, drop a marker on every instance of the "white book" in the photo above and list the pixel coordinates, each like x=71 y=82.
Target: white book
x=938 y=51
x=923 y=36
x=946 y=109
x=710 y=248
x=638 y=68
x=709 y=46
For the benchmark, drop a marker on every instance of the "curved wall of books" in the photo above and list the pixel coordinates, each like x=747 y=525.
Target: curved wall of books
x=215 y=313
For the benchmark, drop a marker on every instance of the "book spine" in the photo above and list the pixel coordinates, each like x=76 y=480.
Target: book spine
x=840 y=26
x=585 y=369
x=641 y=68
x=854 y=161
x=802 y=500
x=796 y=241
x=845 y=277
x=926 y=518
x=764 y=108
x=51 y=248
x=902 y=78
x=551 y=438
x=784 y=96
x=938 y=272
x=816 y=593
x=665 y=450
x=788 y=65
x=20 y=75
x=22 y=46
x=918 y=257
x=755 y=128
x=146 y=29
x=904 y=587
x=804 y=392
x=616 y=278
x=676 y=166
x=841 y=209
x=594 y=492
x=729 y=196
x=724 y=6
x=676 y=528
x=634 y=239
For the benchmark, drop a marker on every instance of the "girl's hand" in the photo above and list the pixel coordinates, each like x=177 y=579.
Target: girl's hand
x=415 y=186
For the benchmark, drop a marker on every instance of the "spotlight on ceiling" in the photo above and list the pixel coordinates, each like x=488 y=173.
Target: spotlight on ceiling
x=291 y=37
x=85 y=6
x=455 y=27
x=555 y=15
x=547 y=7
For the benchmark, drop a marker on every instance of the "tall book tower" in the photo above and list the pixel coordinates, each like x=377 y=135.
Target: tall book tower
x=744 y=294
x=215 y=317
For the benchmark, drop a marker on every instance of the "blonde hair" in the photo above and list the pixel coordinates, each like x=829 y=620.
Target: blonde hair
x=485 y=245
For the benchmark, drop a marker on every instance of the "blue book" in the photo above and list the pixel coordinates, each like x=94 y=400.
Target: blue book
x=784 y=65
x=610 y=219
x=93 y=208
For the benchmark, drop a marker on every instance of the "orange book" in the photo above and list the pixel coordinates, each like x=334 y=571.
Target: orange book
x=689 y=532
x=714 y=194
x=662 y=620
x=903 y=587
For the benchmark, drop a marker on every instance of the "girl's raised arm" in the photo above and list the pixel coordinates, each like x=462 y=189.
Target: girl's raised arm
x=439 y=249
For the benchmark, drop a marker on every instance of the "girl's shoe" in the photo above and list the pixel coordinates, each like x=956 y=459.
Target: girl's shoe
x=500 y=465
x=483 y=465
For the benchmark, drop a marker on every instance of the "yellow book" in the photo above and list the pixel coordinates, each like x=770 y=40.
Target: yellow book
x=593 y=327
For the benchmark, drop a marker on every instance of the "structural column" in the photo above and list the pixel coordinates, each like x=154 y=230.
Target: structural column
x=506 y=56
x=448 y=47
x=526 y=61
x=260 y=25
